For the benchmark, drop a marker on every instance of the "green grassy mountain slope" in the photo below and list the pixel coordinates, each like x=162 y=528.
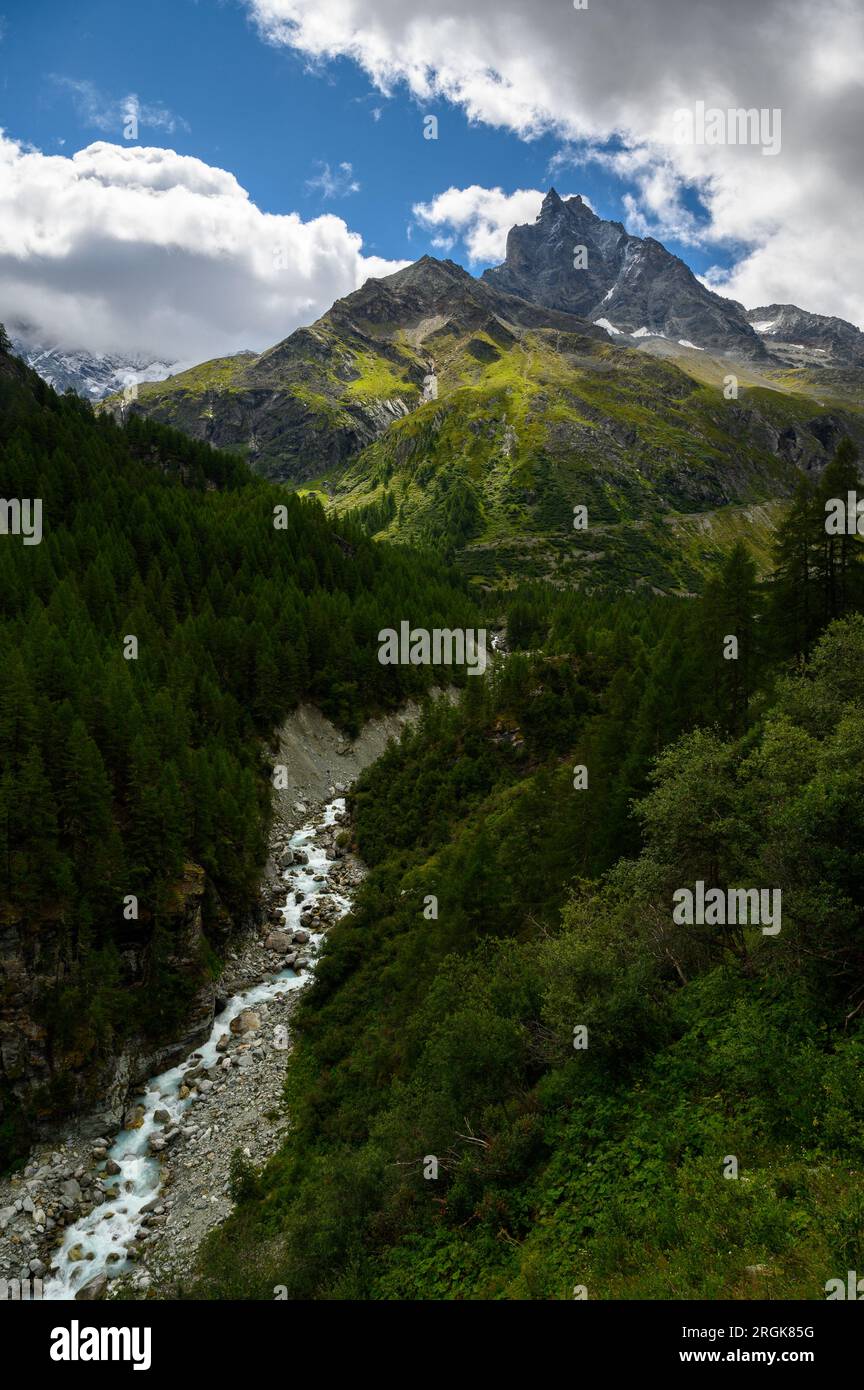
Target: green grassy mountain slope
x=455 y=415
x=530 y=423
x=327 y=391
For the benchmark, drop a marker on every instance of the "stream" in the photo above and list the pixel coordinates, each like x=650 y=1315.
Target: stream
x=96 y=1244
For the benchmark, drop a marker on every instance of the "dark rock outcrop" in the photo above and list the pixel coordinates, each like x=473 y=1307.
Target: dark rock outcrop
x=632 y=282
x=33 y=1059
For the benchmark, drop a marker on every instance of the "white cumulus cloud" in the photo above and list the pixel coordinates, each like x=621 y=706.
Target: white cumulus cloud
x=617 y=72
x=122 y=248
x=480 y=217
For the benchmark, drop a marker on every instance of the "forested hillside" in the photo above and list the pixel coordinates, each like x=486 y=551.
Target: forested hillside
x=125 y=770
x=454 y=1134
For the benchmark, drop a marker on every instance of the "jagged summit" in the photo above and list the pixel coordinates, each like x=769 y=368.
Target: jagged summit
x=431 y=296
x=629 y=285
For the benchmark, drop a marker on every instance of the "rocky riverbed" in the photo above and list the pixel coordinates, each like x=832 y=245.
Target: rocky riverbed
x=121 y=1210
x=124 y=1214
x=245 y=1110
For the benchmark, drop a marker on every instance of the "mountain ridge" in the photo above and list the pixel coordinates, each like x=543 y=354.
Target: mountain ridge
x=837 y=341
x=448 y=410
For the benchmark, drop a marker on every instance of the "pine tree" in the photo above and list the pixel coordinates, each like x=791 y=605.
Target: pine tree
x=732 y=606
x=817 y=575
x=793 y=608
x=838 y=558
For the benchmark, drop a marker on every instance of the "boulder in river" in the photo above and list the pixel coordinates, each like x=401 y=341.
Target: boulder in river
x=246 y=1022
x=278 y=941
x=95 y=1289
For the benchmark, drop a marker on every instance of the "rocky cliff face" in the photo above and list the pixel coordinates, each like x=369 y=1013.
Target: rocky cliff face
x=631 y=283
x=804 y=339
x=95 y=1078
x=283 y=434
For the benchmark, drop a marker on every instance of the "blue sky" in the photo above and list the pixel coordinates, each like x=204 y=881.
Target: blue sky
x=280 y=158
x=264 y=115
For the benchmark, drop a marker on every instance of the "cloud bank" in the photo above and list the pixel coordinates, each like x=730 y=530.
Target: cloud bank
x=611 y=77
x=126 y=247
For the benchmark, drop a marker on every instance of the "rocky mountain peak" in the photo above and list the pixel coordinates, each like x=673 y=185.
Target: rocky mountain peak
x=430 y=273
x=572 y=260
x=426 y=288
x=551 y=203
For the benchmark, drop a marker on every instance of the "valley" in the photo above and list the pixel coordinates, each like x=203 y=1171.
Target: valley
x=431 y=633
x=94 y=1217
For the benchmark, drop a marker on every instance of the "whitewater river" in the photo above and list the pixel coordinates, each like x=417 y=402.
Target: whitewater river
x=114 y=1224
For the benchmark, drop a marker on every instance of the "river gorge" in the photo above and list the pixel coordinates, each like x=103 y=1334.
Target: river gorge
x=123 y=1213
